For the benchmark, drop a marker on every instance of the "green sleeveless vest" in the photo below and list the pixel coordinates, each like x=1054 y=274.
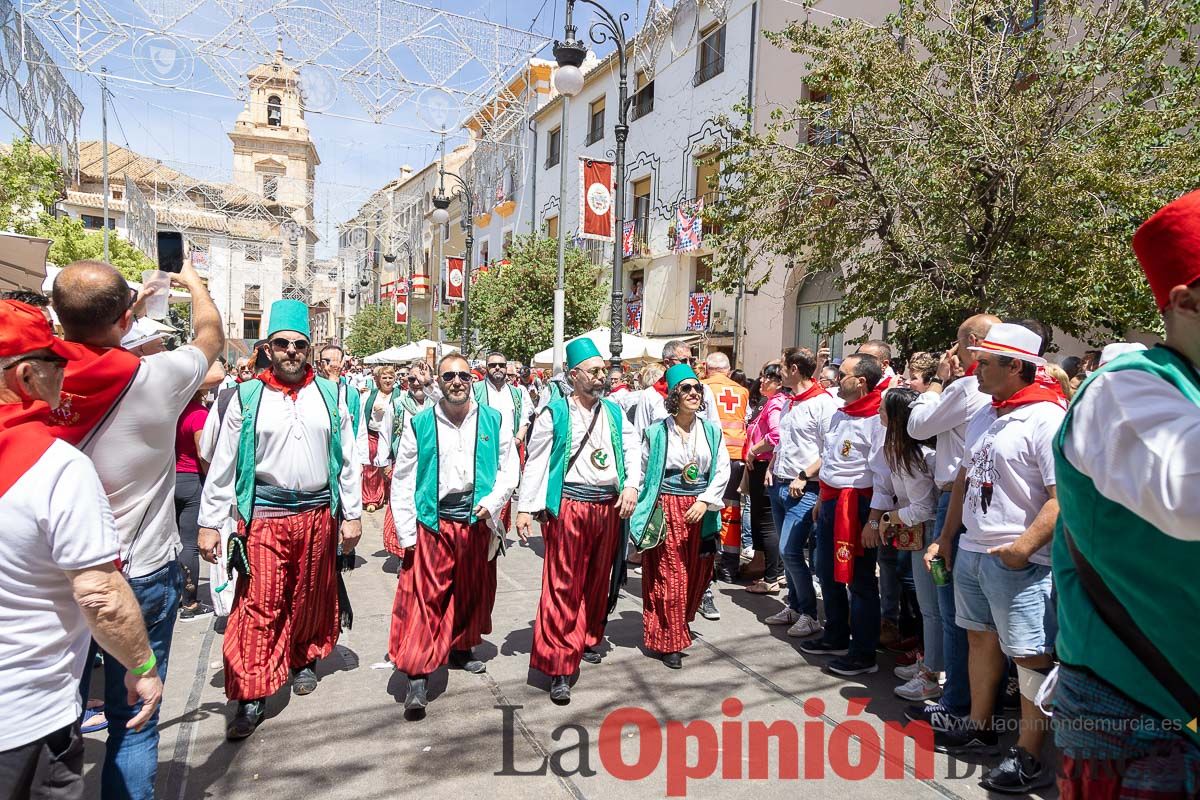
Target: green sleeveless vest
x=487 y=461
x=481 y=397
x=1106 y=534
x=563 y=447
x=353 y=404
x=656 y=468
x=250 y=396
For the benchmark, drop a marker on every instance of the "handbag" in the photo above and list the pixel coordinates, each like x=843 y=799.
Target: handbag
x=905 y=537
x=656 y=530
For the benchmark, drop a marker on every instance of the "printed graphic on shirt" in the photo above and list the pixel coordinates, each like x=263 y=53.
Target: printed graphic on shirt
x=846 y=448
x=980 y=477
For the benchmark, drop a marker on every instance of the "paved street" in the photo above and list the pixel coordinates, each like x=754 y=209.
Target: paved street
x=350 y=739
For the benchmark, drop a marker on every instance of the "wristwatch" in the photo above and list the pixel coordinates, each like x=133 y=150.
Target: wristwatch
x=874 y=524
x=937 y=380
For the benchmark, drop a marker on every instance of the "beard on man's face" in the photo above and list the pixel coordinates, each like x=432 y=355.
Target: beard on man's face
x=288 y=370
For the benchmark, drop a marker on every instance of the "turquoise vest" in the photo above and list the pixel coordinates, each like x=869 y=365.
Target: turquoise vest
x=481 y=397
x=1108 y=535
x=487 y=461
x=250 y=396
x=353 y=404
x=656 y=468
x=562 y=448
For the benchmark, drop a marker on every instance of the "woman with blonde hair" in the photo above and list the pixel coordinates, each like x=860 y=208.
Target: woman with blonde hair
x=376 y=459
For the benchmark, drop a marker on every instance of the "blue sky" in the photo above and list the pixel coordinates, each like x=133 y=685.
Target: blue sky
x=186 y=125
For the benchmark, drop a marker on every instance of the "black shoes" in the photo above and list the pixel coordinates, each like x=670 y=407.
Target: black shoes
x=305 y=680
x=249 y=716
x=416 y=699
x=673 y=660
x=964 y=736
x=726 y=568
x=560 y=690
x=708 y=608
x=591 y=656
x=464 y=660
x=820 y=647
x=1019 y=772
x=197 y=611
x=848 y=666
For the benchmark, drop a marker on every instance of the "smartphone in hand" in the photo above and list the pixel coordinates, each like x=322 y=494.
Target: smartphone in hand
x=170 y=251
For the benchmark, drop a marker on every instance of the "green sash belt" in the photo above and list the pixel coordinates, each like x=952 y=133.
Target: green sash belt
x=290 y=499
x=456 y=507
x=585 y=493
x=673 y=483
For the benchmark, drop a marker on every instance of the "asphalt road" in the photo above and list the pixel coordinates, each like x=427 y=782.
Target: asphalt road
x=497 y=735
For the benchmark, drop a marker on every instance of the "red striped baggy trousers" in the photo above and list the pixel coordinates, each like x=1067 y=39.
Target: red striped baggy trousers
x=391 y=541
x=580 y=546
x=286 y=614
x=444 y=600
x=374 y=479
x=674 y=577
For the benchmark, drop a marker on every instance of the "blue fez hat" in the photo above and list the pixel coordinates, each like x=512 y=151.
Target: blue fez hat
x=581 y=350
x=289 y=315
x=679 y=373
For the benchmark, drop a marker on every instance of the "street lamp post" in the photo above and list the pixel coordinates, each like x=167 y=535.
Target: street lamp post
x=568 y=80
x=407 y=246
x=441 y=216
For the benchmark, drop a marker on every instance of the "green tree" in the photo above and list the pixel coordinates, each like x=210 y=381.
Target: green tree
x=374 y=328
x=962 y=158
x=512 y=308
x=72 y=242
x=30 y=184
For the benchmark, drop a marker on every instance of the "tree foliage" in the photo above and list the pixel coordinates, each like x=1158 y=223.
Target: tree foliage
x=963 y=157
x=374 y=328
x=72 y=242
x=30 y=184
x=512 y=307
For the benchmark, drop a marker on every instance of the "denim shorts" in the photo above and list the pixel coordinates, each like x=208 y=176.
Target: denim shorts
x=1015 y=603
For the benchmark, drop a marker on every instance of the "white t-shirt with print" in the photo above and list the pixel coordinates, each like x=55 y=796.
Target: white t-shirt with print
x=134 y=454
x=1009 y=462
x=53 y=519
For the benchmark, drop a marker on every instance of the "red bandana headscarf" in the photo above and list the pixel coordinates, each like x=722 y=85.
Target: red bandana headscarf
x=25 y=436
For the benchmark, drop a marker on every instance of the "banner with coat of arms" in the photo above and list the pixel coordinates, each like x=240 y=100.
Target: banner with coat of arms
x=596 y=200
x=627 y=238
x=633 y=316
x=689 y=226
x=699 y=311
x=401 y=302
x=455 y=279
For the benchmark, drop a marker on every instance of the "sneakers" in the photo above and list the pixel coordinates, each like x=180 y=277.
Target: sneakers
x=936 y=715
x=305 y=680
x=849 y=666
x=708 y=608
x=785 y=617
x=1017 y=773
x=188 y=613
x=746 y=556
x=805 y=628
x=820 y=647
x=906 y=672
x=964 y=736
x=922 y=686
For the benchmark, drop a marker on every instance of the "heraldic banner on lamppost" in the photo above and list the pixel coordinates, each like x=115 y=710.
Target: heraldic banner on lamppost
x=596 y=199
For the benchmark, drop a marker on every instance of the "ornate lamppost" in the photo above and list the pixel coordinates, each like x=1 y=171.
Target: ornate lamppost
x=440 y=216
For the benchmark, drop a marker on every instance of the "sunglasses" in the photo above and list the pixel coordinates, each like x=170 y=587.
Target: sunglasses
x=449 y=377
x=500 y=364
x=595 y=372
x=690 y=388
x=55 y=361
x=283 y=344
x=690 y=360
x=133 y=295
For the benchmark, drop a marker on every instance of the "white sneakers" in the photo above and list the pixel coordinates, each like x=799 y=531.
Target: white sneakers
x=922 y=686
x=911 y=671
x=785 y=617
x=805 y=628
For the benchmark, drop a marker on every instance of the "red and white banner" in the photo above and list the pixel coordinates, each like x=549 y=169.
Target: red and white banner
x=596 y=199
x=401 y=302
x=455 y=280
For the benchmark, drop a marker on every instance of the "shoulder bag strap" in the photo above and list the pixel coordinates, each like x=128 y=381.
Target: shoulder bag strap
x=586 y=436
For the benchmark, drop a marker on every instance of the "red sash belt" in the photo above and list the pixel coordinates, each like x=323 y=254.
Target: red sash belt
x=847 y=529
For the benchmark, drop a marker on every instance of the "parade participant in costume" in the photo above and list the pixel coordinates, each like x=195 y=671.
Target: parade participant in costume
x=685 y=469
x=584 y=472
x=378 y=410
x=732 y=401
x=1124 y=554
x=845 y=556
x=496 y=392
x=286 y=458
x=408 y=403
x=456 y=468
x=650 y=407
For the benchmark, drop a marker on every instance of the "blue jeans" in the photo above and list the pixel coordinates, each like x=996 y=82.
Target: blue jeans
x=131 y=759
x=889 y=582
x=793 y=518
x=956 y=693
x=927 y=598
x=849 y=620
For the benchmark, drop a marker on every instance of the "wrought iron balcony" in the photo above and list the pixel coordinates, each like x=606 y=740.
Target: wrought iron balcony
x=706 y=72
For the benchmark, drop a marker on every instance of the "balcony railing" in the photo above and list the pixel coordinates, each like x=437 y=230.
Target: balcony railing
x=595 y=134
x=640 y=235
x=706 y=72
x=552 y=159
x=643 y=102
x=712 y=201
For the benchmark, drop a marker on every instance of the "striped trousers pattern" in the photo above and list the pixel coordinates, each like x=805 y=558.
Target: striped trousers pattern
x=674 y=577
x=444 y=600
x=374 y=479
x=573 y=610
x=286 y=614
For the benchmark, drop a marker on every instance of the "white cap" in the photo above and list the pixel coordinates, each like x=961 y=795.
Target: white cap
x=1012 y=341
x=144 y=331
x=1115 y=349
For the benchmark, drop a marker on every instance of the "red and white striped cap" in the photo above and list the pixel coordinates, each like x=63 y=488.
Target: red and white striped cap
x=1012 y=341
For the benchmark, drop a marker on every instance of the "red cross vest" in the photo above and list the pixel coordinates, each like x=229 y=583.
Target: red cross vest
x=733 y=400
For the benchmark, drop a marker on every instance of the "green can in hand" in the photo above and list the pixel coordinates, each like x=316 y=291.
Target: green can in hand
x=937 y=568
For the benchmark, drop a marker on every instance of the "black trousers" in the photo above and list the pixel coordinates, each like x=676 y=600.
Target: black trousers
x=50 y=768
x=762 y=522
x=188 y=488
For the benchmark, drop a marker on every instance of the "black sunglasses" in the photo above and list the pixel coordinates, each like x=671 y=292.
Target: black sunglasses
x=131 y=299
x=283 y=344
x=690 y=388
x=501 y=364
x=448 y=377
x=56 y=361
x=690 y=360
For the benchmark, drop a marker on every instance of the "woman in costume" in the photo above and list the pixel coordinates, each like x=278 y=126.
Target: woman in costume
x=405 y=405
x=376 y=411
x=677 y=519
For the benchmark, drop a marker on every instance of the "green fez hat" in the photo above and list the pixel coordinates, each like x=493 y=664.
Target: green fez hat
x=580 y=350
x=678 y=373
x=289 y=315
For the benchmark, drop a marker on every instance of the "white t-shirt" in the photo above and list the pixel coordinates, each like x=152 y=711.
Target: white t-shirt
x=134 y=454
x=1009 y=463
x=54 y=518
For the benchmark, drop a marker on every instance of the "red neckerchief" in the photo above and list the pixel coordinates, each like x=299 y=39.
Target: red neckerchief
x=94 y=380
x=268 y=377
x=808 y=394
x=619 y=387
x=25 y=435
x=865 y=406
x=847 y=529
x=1033 y=393
x=885 y=383
x=1044 y=378
x=660 y=386
x=971 y=369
